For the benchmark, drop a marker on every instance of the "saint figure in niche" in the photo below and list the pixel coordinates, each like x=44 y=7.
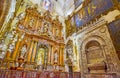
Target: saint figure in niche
x=21 y=16
x=40 y=56
x=55 y=57
x=23 y=51
x=45 y=29
x=57 y=33
x=31 y=22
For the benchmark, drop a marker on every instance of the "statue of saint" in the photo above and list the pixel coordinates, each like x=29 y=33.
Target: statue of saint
x=23 y=50
x=45 y=28
x=31 y=22
x=55 y=57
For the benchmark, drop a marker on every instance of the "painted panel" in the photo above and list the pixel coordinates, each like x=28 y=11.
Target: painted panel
x=114 y=29
x=94 y=9
x=70 y=26
x=81 y=17
x=78 y=3
x=78 y=20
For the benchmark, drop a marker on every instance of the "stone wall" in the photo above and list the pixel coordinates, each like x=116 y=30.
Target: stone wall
x=98 y=32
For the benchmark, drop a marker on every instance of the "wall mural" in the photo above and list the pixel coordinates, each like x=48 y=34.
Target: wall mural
x=70 y=26
x=114 y=29
x=78 y=3
x=78 y=21
x=86 y=14
x=92 y=10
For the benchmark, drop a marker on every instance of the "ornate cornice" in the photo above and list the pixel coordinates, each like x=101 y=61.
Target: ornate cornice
x=45 y=16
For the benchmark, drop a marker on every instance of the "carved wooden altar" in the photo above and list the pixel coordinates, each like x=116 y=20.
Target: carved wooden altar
x=40 y=41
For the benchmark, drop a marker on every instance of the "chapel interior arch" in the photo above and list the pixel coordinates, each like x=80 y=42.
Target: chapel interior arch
x=94 y=53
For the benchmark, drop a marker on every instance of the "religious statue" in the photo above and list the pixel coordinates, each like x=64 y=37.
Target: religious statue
x=69 y=50
x=21 y=16
x=41 y=59
x=55 y=57
x=31 y=22
x=40 y=56
x=23 y=50
x=45 y=28
x=11 y=48
x=70 y=56
x=57 y=33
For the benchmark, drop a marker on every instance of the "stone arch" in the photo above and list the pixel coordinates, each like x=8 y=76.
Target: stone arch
x=90 y=49
x=99 y=63
x=91 y=38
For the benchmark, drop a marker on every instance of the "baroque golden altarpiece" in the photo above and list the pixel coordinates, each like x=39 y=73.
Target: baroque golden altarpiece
x=39 y=42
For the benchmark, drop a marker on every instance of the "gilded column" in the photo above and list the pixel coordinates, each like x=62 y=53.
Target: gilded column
x=7 y=55
x=34 y=51
x=14 y=55
x=25 y=20
x=30 y=51
x=60 y=56
x=52 y=55
x=49 y=54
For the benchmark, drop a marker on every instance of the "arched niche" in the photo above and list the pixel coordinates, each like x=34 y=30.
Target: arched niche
x=42 y=56
x=94 y=52
x=56 y=54
x=23 y=48
x=93 y=55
